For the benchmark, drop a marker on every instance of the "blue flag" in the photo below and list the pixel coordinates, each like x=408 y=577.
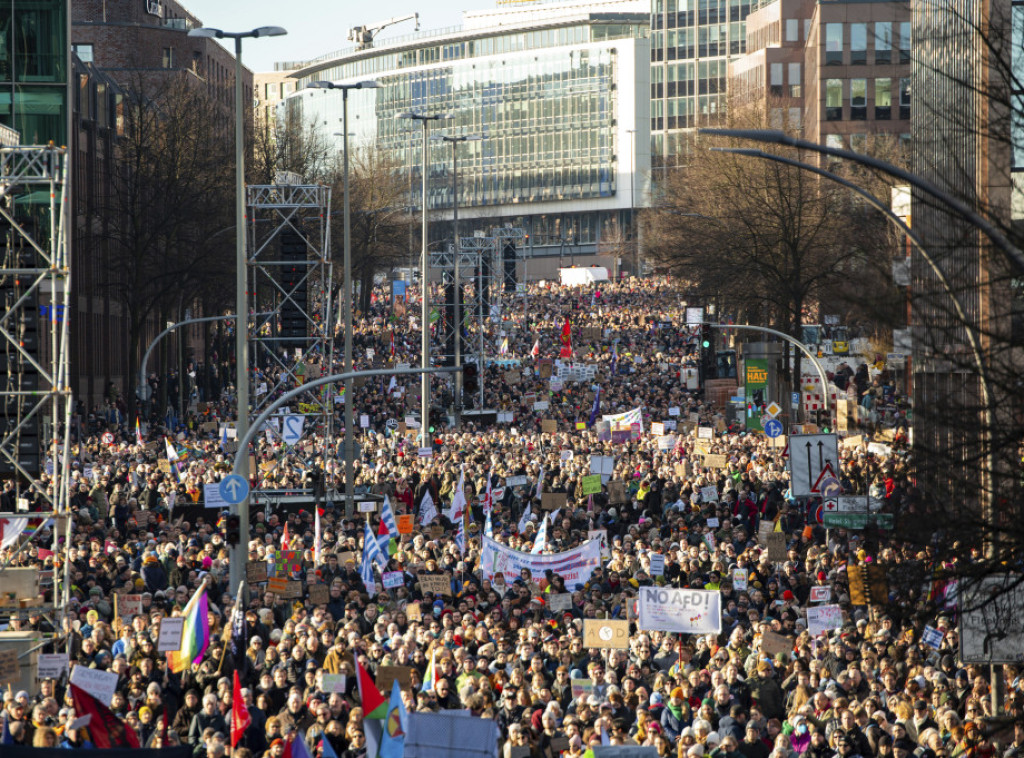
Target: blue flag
x=326 y=749
x=392 y=744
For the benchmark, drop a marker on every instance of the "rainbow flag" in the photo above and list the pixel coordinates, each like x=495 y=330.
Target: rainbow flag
x=195 y=636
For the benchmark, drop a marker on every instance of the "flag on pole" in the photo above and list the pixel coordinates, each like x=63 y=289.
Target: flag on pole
x=298 y=747
x=428 y=511
x=284 y=537
x=566 y=351
x=106 y=730
x=10 y=530
x=488 y=502
x=488 y=528
x=172 y=454
x=541 y=540
x=224 y=438
x=503 y=347
x=239 y=630
x=240 y=718
x=373 y=703
x=596 y=408
x=540 y=483
x=326 y=748
x=388 y=526
x=393 y=743
x=535 y=350
x=371 y=550
x=525 y=519
x=195 y=636
x=430 y=675
x=138 y=433
x=460 y=537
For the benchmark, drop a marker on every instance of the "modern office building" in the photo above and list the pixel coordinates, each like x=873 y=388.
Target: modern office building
x=966 y=130
x=34 y=64
x=837 y=71
x=270 y=88
x=692 y=42
x=559 y=93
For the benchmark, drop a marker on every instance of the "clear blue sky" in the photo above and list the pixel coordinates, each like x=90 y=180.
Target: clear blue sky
x=316 y=27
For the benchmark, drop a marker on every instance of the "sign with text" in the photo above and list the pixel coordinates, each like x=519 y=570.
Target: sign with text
x=821 y=594
x=683 y=611
x=98 y=683
x=591 y=484
x=606 y=634
x=439 y=584
x=51 y=665
x=319 y=594
x=169 y=632
x=824 y=618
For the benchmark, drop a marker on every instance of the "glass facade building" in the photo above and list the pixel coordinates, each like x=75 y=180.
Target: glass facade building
x=34 y=57
x=558 y=93
x=692 y=43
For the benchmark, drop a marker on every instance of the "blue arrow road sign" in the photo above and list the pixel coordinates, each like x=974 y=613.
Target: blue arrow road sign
x=773 y=428
x=234 y=489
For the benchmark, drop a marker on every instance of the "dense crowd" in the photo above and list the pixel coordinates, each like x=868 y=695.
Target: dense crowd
x=503 y=647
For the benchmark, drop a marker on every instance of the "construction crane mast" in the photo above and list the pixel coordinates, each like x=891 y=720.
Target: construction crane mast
x=363 y=36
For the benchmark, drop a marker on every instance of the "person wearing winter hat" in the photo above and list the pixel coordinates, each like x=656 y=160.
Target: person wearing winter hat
x=675 y=714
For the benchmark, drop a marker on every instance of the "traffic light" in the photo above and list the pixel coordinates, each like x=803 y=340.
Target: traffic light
x=706 y=337
x=470 y=378
x=234 y=530
x=708 y=368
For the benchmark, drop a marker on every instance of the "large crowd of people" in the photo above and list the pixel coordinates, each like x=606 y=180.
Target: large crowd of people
x=460 y=633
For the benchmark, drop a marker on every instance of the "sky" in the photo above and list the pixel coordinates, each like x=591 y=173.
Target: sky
x=316 y=27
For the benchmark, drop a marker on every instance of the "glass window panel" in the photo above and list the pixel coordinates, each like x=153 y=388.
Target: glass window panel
x=792 y=30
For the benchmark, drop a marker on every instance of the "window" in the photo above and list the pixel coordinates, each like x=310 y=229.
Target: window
x=859 y=143
x=883 y=99
x=775 y=79
x=905 y=98
x=858 y=99
x=833 y=44
x=84 y=52
x=795 y=119
x=795 y=89
x=168 y=58
x=834 y=100
x=904 y=42
x=792 y=30
x=883 y=42
x=858 y=44
x=834 y=141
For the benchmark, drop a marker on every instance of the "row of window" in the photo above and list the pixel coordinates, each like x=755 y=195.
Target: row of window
x=855 y=92
x=837 y=44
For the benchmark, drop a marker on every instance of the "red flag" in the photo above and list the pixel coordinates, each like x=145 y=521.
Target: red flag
x=240 y=718
x=105 y=729
x=284 y=537
x=535 y=350
x=566 y=351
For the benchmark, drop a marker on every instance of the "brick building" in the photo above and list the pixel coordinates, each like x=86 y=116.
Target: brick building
x=149 y=39
x=838 y=70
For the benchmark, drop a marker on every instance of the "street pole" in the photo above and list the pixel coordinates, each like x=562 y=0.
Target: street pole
x=424 y=300
x=240 y=552
x=348 y=291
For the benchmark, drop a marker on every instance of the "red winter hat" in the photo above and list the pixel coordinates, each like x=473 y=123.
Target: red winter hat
x=787 y=595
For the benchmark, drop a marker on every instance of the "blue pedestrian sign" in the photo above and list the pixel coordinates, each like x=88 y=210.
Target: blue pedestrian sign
x=234 y=489
x=773 y=428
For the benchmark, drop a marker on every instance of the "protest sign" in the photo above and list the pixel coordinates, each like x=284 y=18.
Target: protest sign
x=439 y=584
x=823 y=618
x=739 y=580
x=591 y=484
x=128 y=605
x=169 y=632
x=334 y=683
x=10 y=670
x=406 y=522
x=255 y=572
x=616 y=493
x=777 y=547
x=715 y=461
x=821 y=594
x=602 y=536
x=98 y=683
x=561 y=601
x=709 y=494
x=414 y=612
x=606 y=634
x=51 y=665
x=772 y=644
x=319 y=594
x=680 y=610
x=392 y=579
x=549 y=426
x=387 y=675
x=657 y=564
x=552 y=501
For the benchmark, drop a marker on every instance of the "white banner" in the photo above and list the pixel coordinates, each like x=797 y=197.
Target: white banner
x=626 y=419
x=574 y=566
x=98 y=683
x=682 y=611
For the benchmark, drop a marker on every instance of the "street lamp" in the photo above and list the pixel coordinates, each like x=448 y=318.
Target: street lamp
x=454 y=142
x=240 y=552
x=424 y=119
x=347 y=274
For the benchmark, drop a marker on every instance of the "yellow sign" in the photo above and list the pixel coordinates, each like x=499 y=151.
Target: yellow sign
x=757 y=375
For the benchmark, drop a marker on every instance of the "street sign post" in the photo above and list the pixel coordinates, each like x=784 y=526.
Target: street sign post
x=859 y=521
x=809 y=454
x=773 y=428
x=234 y=489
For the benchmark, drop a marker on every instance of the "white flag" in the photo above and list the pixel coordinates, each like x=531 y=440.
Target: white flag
x=10 y=530
x=525 y=519
x=428 y=512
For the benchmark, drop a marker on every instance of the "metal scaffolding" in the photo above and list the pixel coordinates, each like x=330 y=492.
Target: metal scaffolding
x=488 y=267
x=291 y=329
x=35 y=395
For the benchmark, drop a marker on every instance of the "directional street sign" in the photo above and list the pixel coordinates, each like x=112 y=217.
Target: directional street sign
x=234 y=489
x=773 y=409
x=859 y=520
x=827 y=484
x=773 y=428
x=808 y=456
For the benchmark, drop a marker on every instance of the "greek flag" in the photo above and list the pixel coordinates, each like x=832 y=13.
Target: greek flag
x=387 y=517
x=371 y=550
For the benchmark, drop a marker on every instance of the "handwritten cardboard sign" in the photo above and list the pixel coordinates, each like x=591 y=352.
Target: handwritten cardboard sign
x=388 y=675
x=255 y=572
x=552 y=501
x=319 y=594
x=439 y=584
